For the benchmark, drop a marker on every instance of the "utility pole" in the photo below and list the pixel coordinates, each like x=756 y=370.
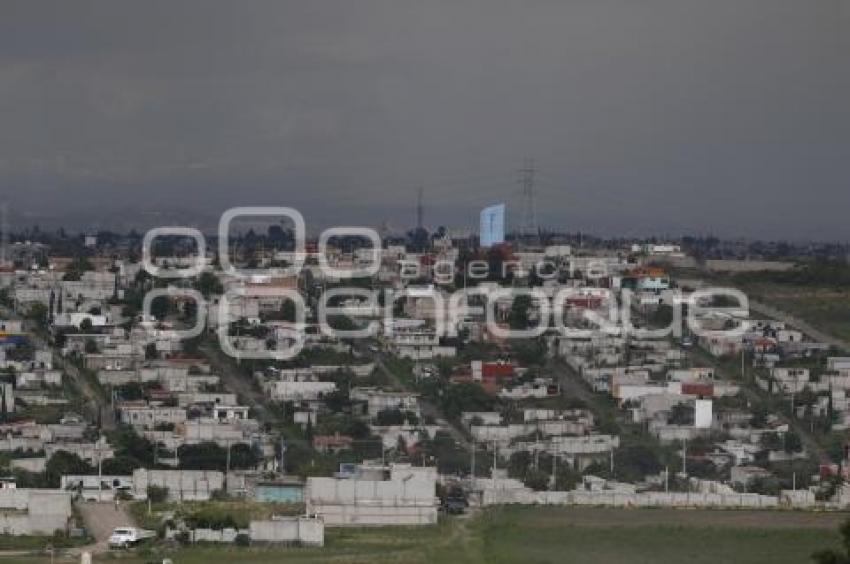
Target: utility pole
x=529 y=212
x=666 y=479
x=493 y=473
x=283 y=456
x=99 y=463
x=472 y=464
x=685 y=456
x=554 y=467
x=228 y=463
x=227 y=467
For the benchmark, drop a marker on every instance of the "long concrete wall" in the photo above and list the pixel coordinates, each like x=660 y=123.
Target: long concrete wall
x=308 y=531
x=33 y=512
x=213 y=535
x=189 y=485
x=378 y=515
x=616 y=499
x=303 y=530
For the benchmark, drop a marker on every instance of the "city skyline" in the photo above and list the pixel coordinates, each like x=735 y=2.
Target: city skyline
x=669 y=117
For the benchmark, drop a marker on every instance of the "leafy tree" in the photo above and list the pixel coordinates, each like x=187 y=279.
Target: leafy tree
x=835 y=446
x=242 y=540
x=529 y=352
x=157 y=494
x=287 y=311
x=63 y=462
x=450 y=458
x=4 y=415
x=208 y=284
x=518 y=318
x=210 y=456
x=566 y=478
x=681 y=414
x=634 y=462
x=161 y=307
x=337 y=401
x=537 y=480
x=77 y=268
x=418 y=239
x=38 y=313
x=793 y=443
x=832 y=556
x=120 y=465
x=24 y=479
x=765 y=485
x=519 y=463
x=466 y=396
x=50 y=304
x=131 y=391
x=771 y=441
x=128 y=444
x=759 y=418
x=395 y=417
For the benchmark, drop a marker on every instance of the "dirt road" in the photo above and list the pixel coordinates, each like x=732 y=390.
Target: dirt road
x=94 y=399
x=234 y=379
x=101 y=519
x=427 y=408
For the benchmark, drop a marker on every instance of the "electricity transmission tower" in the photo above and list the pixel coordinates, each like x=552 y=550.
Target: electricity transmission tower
x=4 y=227
x=528 y=227
x=420 y=209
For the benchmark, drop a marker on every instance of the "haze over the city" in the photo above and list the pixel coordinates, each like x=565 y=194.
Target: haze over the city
x=656 y=117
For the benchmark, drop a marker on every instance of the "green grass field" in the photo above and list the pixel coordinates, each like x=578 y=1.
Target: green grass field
x=650 y=536
x=828 y=313
x=549 y=534
x=826 y=308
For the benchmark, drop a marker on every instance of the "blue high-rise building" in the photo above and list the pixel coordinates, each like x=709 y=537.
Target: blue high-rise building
x=492 y=225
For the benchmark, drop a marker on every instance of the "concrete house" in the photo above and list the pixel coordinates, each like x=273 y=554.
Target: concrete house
x=33 y=511
x=407 y=497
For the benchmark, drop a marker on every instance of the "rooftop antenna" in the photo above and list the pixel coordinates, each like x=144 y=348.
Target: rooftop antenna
x=529 y=213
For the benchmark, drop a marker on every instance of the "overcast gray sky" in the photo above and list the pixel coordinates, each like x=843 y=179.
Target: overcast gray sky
x=719 y=116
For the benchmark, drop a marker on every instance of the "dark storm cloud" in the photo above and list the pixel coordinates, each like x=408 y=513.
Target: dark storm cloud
x=677 y=116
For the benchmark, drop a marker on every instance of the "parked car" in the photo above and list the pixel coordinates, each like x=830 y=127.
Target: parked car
x=454 y=505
